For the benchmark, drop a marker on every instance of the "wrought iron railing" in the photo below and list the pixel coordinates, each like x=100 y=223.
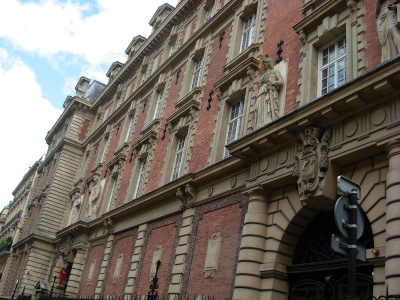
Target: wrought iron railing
x=125 y=297
x=9 y=223
x=5 y=247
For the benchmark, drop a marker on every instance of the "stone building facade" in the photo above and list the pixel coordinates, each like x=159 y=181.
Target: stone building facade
x=215 y=149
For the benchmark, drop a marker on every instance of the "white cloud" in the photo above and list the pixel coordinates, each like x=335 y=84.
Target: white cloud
x=50 y=27
x=25 y=118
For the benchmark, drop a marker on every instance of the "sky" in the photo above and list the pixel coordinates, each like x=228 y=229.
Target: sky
x=45 y=47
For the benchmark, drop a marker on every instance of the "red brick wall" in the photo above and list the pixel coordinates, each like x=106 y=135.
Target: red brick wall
x=130 y=88
x=84 y=130
x=373 y=51
x=124 y=244
x=278 y=26
x=161 y=146
x=225 y=216
x=227 y=221
x=96 y=252
x=163 y=233
x=206 y=123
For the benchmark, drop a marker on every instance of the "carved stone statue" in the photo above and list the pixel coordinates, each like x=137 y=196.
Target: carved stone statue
x=76 y=206
x=93 y=203
x=267 y=105
x=312 y=162
x=388 y=14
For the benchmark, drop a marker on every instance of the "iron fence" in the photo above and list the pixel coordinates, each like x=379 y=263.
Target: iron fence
x=126 y=297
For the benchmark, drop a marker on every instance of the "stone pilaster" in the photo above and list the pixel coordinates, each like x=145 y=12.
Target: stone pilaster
x=252 y=247
x=77 y=270
x=392 y=263
x=103 y=267
x=129 y=288
x=181 y=252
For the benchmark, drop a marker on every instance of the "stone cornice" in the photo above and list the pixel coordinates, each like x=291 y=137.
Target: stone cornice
x=315 y=18
x=31 y=238
x=70 y=109
x=338 y=105
x=66 y=141
x=27 y=176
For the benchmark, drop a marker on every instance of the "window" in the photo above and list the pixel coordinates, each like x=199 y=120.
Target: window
x=128 y=133
x=332 y=62
x=140 y=178
x=209 y=13
x=158 y=105
x=112 y=192
x=172 y=49
x=178 y=158
x=103 y=155
x=248 y=32
x=234 y=123
x=196 y=74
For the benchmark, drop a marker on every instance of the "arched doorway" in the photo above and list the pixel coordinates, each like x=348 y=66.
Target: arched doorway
x=319 y=273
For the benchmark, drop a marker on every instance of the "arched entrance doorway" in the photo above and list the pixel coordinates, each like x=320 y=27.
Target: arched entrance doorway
x=319 y=273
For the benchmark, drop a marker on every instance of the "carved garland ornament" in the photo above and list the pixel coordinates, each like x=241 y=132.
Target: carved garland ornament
x=311 y=161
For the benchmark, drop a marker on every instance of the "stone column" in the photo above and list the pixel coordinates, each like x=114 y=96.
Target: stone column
x=76 y=273
x=392 y=262
x=103 y=267
x=174 y=289
x=252 y=247
x=136 y=257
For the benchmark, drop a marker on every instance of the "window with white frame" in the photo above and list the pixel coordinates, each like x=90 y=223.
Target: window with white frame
x=172 y=49
x=128 y=133
x=209 y=13
x=114 y=180
x=234 y=123
x=158 y=105
x=140 y=178
x=249 y=26
x=332 y=66
x=178 y=157
x=196 y=74
x=143 y=77
x=103 y=155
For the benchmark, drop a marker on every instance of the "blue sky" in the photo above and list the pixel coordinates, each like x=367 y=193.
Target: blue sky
x=45 y=47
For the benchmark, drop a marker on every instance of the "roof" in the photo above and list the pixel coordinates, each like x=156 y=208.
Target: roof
x=159 y=11
x=135 y=40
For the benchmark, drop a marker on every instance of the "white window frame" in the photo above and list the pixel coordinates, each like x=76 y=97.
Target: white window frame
x=234 y=123
x=180 y=148
x=196 y=74
x=172 y=49
x=335 y=57
x=209 y=13
x=104 y=154
x=112 y=192
x=128 y=133
x=158 y=105
x=140 y=180
x=249 y=26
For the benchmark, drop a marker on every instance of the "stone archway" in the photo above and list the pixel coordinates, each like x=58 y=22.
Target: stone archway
x=319 y=272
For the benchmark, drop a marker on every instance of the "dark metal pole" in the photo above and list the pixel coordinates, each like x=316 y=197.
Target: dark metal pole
x=51 y=292
x=353 y=243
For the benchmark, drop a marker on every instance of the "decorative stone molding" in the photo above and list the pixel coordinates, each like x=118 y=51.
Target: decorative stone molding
x=311 y=161
x=118 y=266
x=91 y=272
x=157 y=255
x=187 y=195
x=144 y=144
x=212 y=255
x=115 y=166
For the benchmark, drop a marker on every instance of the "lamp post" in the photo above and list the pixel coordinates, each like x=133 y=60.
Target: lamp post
x=153 y=294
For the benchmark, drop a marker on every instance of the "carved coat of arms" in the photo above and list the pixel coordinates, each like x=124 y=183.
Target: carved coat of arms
x=311 y=161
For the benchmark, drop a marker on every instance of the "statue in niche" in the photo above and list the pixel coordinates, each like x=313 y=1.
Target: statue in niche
x=76 y=205
x=93 y=203
x=267 y=105
x=387 y=13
